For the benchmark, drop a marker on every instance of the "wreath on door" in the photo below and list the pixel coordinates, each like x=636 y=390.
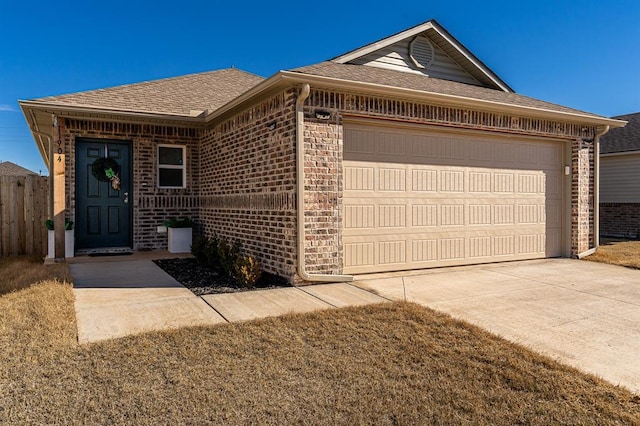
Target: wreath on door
x=106 y=170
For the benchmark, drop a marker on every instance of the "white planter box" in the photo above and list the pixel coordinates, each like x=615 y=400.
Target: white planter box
x=68 y=244
x=51 y=245
x=180 y=240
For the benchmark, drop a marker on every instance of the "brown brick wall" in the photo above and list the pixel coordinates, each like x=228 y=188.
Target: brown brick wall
x=248 y=185
x=620 y=220
x=323 y=195
x=241 y=173
x=151 y=204
x=582 y=212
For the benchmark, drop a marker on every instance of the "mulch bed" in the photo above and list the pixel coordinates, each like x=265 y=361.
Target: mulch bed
x=202 y=280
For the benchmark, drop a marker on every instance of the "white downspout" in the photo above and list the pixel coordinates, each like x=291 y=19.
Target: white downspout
x=596 y=186
x=304 y=94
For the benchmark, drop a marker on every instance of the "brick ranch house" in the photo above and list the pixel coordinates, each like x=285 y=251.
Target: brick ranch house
x=406 y=153
x=620 y=180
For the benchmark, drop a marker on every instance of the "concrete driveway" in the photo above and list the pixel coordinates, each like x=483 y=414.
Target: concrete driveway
x=581 y=313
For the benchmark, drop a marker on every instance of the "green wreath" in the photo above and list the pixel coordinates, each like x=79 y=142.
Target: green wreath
x=104 y=169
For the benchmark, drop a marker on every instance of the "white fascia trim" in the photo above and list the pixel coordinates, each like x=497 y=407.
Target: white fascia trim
x=382 y=43
x=455 y=100
x=38 y=105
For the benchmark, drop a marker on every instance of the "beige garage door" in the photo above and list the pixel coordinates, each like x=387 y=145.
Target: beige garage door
x=419 y=199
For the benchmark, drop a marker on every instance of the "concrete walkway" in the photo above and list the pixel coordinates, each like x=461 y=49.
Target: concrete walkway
x=116 y=298
x=582 y=313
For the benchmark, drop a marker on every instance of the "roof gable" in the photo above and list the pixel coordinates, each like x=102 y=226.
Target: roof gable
x=622 y=139
x=426 y=49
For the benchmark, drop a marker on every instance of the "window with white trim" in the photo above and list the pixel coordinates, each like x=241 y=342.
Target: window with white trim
x=172 y=171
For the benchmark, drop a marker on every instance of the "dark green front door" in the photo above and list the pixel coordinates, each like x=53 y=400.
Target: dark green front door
x=103 y=213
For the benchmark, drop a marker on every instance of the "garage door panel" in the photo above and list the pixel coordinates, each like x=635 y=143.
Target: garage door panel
x=423 y=251
x=392 y=179
x=431 y=208
x=480 y=214
x=359 y=178
x=423 y=215
x=359 y=216
x=392 y=215
x=424 y=180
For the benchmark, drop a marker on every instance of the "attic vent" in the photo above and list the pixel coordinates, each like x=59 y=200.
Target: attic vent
x=421 y=52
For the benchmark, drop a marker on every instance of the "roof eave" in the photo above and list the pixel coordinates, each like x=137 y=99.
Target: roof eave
x=451 y=99
x=92 y=113
x=119 y=113
x=36 y=133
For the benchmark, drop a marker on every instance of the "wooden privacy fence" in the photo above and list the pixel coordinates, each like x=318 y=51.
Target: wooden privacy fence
x=23 y=210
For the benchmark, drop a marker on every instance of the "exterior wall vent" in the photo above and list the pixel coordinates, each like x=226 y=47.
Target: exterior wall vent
x=421 y=52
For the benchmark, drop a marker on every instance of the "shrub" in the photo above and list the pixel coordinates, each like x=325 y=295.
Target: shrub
x=227 y=255
x=211 y=253
x=199 y=249
x=246 y=270
x=226 y=258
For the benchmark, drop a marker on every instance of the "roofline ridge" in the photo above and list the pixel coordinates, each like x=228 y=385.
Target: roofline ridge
x=140 y=83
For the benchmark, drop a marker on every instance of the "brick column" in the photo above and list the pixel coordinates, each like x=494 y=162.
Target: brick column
x=323 y=196
x=582 y=214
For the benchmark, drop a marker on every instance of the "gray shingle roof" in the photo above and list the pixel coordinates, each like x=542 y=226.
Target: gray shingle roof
x=368 y=74
x=623 y=139
x=176 y=95
x=7 y=168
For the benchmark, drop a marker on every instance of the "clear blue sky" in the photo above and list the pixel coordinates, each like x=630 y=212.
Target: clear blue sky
x=584 y=54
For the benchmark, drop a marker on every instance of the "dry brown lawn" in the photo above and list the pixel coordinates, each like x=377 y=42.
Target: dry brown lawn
x=386 y=364
x=618 y=252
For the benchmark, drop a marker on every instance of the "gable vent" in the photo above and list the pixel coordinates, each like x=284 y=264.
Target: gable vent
x=421 y=52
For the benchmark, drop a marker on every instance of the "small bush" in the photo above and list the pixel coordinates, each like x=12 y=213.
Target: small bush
x=199 y=249
x=227 y=259
x=211 y=252
x=246 y=270
x=227 y=256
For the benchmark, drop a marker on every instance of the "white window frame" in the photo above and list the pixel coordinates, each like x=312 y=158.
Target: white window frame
x=183 y=167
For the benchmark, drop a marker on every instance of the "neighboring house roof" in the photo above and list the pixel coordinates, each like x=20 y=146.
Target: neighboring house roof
x=186 y=95
x=622 y=139
x=363 y=74
x=7 y=168
x=445 y=41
